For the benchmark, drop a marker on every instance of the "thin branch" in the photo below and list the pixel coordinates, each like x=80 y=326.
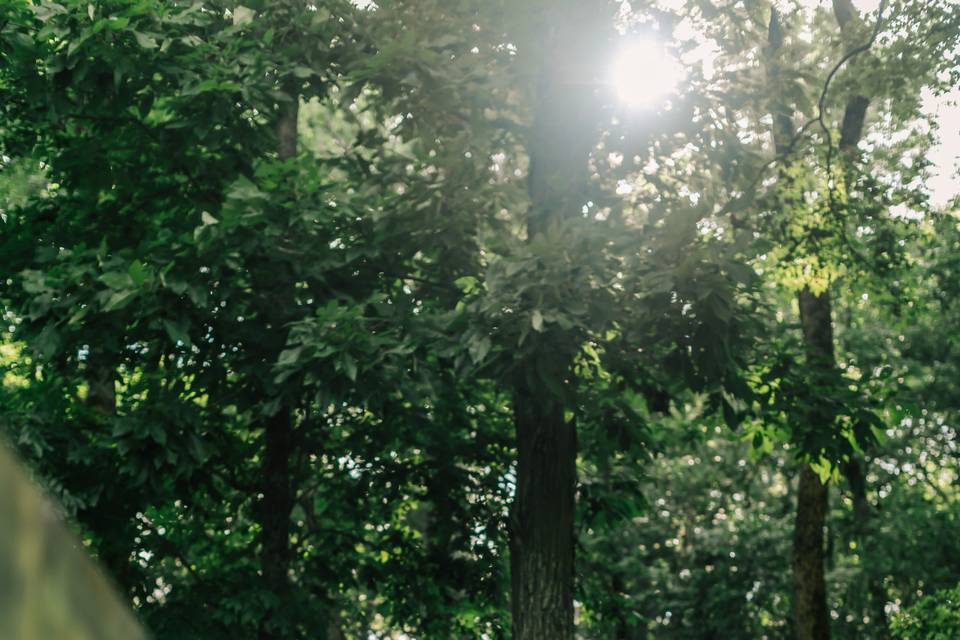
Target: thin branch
x=819 y=118
x=821 y=104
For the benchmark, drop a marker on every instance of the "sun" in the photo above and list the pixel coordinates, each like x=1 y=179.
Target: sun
x=644 y=73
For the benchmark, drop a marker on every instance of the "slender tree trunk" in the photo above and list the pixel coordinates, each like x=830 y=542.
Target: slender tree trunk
x=623 y=630
x=113 y=551
x=278 y=494
x=275 y=509
x=811 y=618
x=810 y=608
x=101 y=384
x=862 y=523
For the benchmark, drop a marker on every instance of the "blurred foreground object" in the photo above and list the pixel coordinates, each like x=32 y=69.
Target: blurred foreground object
x=49 y=588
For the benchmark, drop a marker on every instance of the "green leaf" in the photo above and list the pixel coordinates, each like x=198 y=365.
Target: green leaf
x=466 y=284
x=138 y=272
x=289 y=356
x=119 y=280
x=119 y=300
x=34 y=282
x=242 y=15
x=302 y=72
x=350 y=366
x=177 y=332
x=741 y=272
x=536 y=320
x=158 y=433
x=479 y=347
x=144 y=40
x=197 y=449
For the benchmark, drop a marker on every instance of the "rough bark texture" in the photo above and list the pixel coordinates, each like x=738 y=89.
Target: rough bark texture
x=854 y=115
x=542 y=535
x=275 y=508
x=542 y=541
x=277 y=502
x=811 y=618
x=815 y=312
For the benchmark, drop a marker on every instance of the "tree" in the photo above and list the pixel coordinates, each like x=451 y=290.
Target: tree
x=382 y=314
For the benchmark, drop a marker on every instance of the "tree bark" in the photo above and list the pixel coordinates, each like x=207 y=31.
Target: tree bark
x=275 y=508
x=811 y=618
x=101 y=383
x=542 y=544
x=278 y=495
x=542 y=540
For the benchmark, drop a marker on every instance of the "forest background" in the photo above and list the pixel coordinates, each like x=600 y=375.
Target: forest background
x=486 y=319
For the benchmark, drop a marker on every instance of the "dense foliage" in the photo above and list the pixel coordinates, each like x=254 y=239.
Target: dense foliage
x=346 y=319
x=933 y=617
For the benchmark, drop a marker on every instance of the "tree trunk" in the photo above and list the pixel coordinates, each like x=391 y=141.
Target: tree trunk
x=275 y=508
x=277 y=502
x=113 y=551
x=811 y=618
x=101 y=383
x=542 y=540
x=862 y=525
x=542 y=545
x=623 y=629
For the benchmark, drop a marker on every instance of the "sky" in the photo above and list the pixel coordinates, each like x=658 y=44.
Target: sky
x=945 y=185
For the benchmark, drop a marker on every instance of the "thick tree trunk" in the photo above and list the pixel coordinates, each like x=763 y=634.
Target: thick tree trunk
x=278 y=494
x=542 y=541
x=811 y=618
x=542 y=534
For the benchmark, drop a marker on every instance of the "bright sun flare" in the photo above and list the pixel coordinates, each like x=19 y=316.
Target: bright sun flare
x=644 y=73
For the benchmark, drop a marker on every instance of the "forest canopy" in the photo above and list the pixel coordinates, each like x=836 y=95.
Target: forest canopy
x=530 y=319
